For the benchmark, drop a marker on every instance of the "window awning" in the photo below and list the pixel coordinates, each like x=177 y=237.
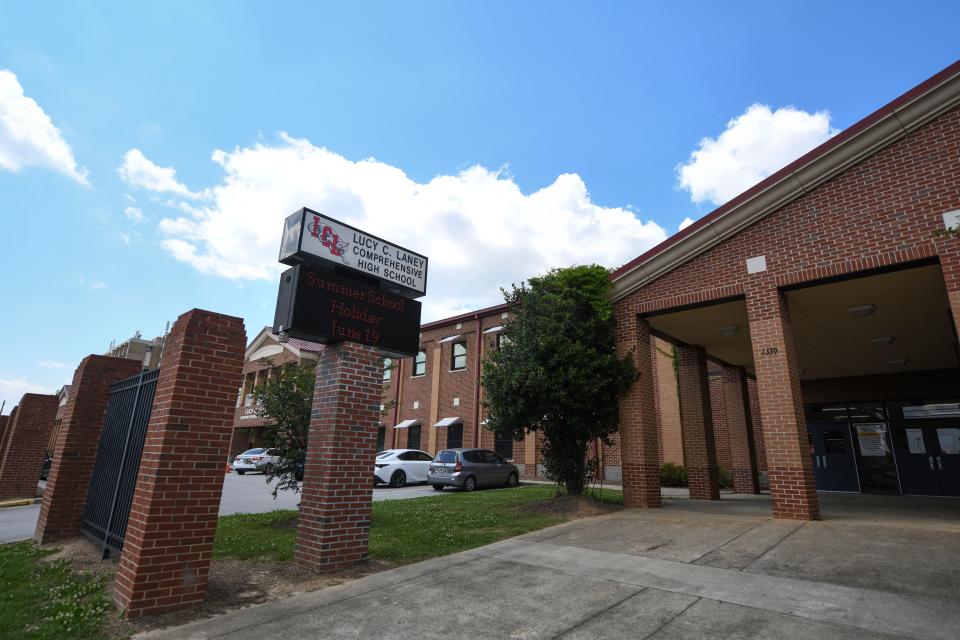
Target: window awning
x=408 y=423
x=451 y=338
x=449 y=422
x=496 y=329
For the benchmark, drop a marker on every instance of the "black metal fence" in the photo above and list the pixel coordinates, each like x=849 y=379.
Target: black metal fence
x=118 y=460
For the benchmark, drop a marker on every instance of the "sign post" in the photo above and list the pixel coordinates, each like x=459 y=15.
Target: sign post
x=355 y=293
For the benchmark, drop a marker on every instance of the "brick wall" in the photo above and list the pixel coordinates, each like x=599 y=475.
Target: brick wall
x=25 y=443
x=698 y=437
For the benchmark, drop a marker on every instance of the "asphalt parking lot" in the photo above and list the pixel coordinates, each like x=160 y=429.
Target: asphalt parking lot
x=248 y=493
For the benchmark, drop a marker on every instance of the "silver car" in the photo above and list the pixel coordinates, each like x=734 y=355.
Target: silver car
x=471 y=468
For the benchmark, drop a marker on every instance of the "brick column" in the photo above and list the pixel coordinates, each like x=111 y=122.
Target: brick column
x=25 y=443
x=166 y=553
x=6 y=434
x=75 y=450
x=743 y=457
x=948 y=250
x=699 y=449
x=781 y=404
x=334 y=527
x=3 y=430
x=639 y=450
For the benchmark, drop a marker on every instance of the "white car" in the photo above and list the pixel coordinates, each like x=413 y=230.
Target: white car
x=254 y=459
x=397 y=467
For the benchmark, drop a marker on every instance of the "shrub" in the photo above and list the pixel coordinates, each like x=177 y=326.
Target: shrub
x=726 y=478
x=673 y=475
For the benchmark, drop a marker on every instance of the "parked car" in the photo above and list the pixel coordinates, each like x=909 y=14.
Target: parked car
x=468 y=469
x=397 y=467
x=255 y=460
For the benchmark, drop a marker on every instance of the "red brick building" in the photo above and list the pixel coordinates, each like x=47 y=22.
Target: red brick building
x=831 y=283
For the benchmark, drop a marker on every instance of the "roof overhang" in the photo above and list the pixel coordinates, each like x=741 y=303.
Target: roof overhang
x=406 y=424
x=880 y=129
x=449 y=422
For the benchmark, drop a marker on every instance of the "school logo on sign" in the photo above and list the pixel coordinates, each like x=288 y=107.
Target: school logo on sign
x=328 y=237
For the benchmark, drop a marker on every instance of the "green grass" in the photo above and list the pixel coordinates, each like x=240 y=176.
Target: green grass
x=404 y=531
x=40 y=600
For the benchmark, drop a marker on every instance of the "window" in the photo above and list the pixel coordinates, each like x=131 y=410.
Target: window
x=502 y=340
x=455 y=436
x=413 y=437
x=504 y=446
x=459 y=360
x=491 y=458
x=381 y=437
x=473 y=456
x=420 y=364
x=409 y=456
x=446 y=457
x=387 y=368
x=423 y=456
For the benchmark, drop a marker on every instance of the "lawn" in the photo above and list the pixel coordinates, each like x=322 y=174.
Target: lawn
x=405 y=531
x=40 y=600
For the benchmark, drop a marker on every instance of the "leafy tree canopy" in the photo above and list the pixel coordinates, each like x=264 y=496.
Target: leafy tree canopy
x=284 y=400
x=557 y=372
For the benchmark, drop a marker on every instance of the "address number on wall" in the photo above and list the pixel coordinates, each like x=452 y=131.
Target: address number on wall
x=768 y=351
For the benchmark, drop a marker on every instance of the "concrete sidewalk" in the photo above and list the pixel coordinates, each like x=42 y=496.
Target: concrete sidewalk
x=689 y=570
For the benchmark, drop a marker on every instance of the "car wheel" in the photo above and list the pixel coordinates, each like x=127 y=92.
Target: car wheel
x=512 y=480
x=438 y=487
x=398 y=479
x=240 y=472
x=470 y=484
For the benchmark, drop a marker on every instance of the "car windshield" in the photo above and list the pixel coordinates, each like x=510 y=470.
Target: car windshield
x=386 y=454
x=252 y=452
x=446 y=456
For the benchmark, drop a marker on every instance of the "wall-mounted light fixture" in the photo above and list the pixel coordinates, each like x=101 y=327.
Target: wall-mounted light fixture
x=862 y=310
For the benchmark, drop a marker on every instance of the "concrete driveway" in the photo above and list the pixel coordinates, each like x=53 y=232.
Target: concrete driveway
x=249 y=493
x=872 y=568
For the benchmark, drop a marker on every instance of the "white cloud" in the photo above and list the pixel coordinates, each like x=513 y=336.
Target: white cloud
x=12 y=390
x=95 y=285
x=477 y=227
x=28 y=136
x=686 y=223
x=754 y=145
x=137 y=171
x=51 y=364
x=133 y=213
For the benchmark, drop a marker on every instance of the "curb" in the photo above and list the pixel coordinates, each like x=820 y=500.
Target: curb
x=19 y=503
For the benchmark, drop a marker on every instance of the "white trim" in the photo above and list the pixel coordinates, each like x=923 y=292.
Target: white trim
x=406 y=424
x=449 y=422
x=885 y=131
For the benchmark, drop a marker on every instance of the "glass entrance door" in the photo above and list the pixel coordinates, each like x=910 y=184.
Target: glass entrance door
x=948 y=459
x=927 y=445
x=834 y=467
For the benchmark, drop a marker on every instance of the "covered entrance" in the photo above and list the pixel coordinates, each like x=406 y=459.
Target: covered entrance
x=879 y=372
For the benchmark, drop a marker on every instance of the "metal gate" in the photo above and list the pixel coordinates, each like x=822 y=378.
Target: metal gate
x=118 y=460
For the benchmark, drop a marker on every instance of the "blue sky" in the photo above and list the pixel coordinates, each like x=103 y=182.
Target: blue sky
x=148 y=152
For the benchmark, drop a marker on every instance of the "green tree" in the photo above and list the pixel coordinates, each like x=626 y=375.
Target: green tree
x=284 y=399
x=558 y=372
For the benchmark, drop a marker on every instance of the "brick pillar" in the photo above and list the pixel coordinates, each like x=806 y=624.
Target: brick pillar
x=699 y=449
x=781 y=404
x=639 y=450
x=743 y=457
x=25 y=443
x=334 y=527
x=3 y=429
x=166 y=553
x=756 y=424
x=718 y=411
x=75 y=450
x=948 y=250
x=6 y=434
